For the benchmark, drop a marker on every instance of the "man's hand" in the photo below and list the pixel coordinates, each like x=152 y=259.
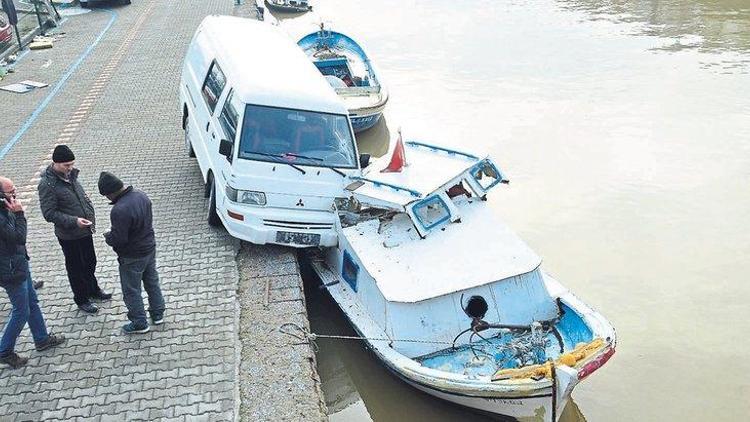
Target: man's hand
x=83 y=223
x=13 y=204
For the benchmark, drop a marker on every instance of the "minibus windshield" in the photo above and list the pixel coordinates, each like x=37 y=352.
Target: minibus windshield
x=299 y=137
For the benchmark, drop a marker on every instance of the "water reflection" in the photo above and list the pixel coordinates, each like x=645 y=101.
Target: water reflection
x=707 y=25
x=358 y=388
x=375 y=141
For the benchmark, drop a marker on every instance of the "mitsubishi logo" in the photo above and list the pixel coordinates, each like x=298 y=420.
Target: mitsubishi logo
x=300 y=203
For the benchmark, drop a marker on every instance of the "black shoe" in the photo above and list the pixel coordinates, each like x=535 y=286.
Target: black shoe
x=13 y=360
x=50 y=342
x=101 y=295
x=38 y=285
x=132 y=328
x=157 y=319
x=89 y=308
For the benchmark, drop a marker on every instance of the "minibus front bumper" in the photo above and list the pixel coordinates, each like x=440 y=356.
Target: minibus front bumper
x=298 y=229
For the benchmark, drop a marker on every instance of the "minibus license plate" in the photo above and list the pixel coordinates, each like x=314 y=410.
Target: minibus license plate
x=298 y=238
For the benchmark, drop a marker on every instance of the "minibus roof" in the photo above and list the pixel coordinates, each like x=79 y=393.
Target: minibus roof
x=266 y=67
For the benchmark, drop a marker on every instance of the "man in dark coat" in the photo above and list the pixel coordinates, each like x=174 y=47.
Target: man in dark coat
x=132 y=238
x=15 y=278
x=65 y=203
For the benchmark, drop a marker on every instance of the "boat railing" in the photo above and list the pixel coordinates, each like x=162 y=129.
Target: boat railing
x=437 y=148
x=389 y=185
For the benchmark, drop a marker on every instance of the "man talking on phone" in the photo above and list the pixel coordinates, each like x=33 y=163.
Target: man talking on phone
x=65 y=203
x=15 y=278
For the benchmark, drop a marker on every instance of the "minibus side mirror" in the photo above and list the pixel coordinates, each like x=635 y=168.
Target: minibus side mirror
x=364 y=160
x=225 y=149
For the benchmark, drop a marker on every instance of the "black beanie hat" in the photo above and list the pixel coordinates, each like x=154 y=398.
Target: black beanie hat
x=109 y=183
x=62 y=154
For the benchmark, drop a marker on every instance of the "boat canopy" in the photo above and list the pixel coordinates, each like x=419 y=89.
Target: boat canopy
x=427 y=169
x=425 y=186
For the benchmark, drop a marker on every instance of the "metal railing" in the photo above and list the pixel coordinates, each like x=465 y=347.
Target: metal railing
x=34 y=17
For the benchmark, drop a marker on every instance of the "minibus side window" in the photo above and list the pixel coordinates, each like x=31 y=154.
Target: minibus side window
x=213 y=85
x=229 y=117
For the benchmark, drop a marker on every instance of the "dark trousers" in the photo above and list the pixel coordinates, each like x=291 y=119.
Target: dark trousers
x=133 y=271
x=80 y=263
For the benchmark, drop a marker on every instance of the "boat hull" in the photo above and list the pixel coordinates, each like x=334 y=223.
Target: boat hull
x=537 y=408
x=362 y=123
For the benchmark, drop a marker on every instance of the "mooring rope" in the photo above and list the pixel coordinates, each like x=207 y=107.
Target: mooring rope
x=304 y=335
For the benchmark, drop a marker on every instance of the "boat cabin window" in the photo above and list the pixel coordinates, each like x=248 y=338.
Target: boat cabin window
x=431 y=212
x=299 y=137
x=213 y=85
x=486 y=174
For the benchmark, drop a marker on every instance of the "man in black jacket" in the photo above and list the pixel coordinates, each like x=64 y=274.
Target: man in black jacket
x=15 y=278
x=65 y=203
x=132 y=238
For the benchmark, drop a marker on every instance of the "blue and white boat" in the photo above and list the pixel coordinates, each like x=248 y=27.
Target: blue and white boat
x=289 y=6
x=348 y=69
x=448 y=297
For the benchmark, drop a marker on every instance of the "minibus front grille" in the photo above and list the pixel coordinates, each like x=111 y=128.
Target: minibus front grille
x=297 y=225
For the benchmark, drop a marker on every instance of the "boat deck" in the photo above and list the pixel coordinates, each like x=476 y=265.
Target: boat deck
x=484 y=357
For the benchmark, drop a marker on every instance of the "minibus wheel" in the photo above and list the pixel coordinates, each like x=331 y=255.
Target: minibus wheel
x=212 y=216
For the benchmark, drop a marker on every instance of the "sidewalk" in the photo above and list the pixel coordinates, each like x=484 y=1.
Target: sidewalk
x=119 y=112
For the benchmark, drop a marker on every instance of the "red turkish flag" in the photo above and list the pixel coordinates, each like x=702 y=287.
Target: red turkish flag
x=398 y=160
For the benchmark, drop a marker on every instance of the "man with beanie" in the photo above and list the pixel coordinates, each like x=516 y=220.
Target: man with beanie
x=15 y=278
x=65 y=203
x=132 y=238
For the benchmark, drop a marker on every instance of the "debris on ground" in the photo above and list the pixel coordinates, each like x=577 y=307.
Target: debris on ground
x=23 y=86
x=41 y=42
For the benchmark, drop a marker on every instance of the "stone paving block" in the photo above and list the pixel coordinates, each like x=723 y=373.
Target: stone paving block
x=53 y=414
x=79 y=412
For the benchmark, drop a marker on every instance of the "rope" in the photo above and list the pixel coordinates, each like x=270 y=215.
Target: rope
x=302 y=335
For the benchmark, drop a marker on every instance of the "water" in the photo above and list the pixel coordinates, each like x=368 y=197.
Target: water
x=624 y=126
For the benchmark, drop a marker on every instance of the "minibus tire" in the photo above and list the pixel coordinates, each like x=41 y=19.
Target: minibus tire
x=212 y=217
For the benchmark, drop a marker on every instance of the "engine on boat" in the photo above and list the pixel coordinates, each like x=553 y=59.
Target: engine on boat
x=506 y=349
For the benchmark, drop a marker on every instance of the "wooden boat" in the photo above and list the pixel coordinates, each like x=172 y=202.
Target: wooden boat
x=448 y=297
x=289 y=6
x=348 y=69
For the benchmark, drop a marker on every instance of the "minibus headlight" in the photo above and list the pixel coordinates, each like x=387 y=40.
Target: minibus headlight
x=252 y=197
x=246 y=196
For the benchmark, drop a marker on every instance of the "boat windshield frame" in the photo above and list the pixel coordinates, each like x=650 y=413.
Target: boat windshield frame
x=430 y=201
x=285 y=136
x=476 y=175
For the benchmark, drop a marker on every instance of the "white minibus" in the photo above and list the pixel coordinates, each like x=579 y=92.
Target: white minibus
x=272 y=139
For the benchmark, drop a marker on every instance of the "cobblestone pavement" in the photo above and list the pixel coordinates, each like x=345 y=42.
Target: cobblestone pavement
x=119 y=112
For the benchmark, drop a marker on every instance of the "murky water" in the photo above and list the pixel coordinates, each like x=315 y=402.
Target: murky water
x=625 y=128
